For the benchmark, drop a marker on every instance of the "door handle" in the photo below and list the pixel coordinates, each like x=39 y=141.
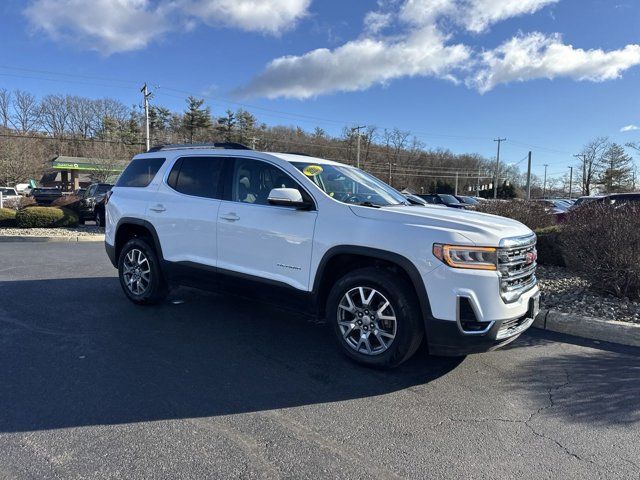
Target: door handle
x=232 y=217
x=158 y=208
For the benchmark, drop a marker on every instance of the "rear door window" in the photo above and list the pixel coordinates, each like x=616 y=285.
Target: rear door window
x=198 y=176
x=140 y=172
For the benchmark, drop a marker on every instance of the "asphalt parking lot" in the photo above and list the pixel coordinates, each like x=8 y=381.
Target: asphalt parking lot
x=221 y=387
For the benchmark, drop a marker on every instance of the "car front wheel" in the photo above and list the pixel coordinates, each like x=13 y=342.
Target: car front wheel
x=375 y=317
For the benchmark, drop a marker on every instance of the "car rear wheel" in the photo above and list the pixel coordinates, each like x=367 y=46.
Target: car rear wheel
x=140 y=275
x=99 y=215
x=375 y=317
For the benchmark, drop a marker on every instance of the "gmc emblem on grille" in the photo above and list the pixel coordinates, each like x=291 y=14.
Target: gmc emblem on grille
x=530 y=257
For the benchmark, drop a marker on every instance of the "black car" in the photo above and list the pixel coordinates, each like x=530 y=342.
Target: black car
x=620 y=198
x=91 y=204
x=443 y=199
x=468 y=201
x=45 y=195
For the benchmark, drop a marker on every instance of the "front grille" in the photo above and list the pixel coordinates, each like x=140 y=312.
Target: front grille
x=517 y=267
x=512 y=327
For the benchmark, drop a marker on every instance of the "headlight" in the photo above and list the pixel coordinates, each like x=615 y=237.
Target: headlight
x=478 y=258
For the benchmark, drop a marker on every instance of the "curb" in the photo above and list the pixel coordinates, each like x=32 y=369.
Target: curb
x=623 y=333
x=36 y=239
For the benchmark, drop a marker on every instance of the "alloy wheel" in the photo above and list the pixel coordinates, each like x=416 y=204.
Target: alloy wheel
x=136 y=271
x=367 y=320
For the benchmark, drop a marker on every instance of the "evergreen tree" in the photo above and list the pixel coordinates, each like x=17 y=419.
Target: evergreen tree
x=246 y=124
x=227 y=125
x=196 y=118
x=618 y=169
x=159 y=123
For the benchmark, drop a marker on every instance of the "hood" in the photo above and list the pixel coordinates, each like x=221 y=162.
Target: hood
x=478 y=228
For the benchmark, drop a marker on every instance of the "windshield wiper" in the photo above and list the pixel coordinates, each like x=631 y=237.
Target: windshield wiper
x=368 y=204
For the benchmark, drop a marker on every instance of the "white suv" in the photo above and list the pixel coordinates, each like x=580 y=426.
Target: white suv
x=325 y=237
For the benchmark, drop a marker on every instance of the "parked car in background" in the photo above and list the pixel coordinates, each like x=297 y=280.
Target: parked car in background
x=45 y=195
x=443 y=199
x=554 y=206
x=91 y=205
x=584 y=200
x=469 y=201
x=621 y=198
x=9 y=193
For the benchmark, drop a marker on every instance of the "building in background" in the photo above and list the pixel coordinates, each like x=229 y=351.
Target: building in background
x=71 y=173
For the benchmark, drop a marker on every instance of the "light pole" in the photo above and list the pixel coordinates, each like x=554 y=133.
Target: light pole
x=585 y=187
x=390 y=164
x=495 y=185
x=146 y=95
x=570 y=180
x=544 y=188
x=357 y=129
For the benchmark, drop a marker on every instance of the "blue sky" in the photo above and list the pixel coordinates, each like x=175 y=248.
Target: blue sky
x=548 y=75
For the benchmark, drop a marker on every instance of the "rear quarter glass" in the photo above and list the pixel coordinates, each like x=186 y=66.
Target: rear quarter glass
x=140 y=172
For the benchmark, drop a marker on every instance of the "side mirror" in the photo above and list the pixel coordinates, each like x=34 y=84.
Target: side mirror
x=287 y=197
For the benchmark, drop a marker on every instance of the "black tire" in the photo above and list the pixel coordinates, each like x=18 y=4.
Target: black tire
x=401 y=295
x=99 y=216
x=156 y=289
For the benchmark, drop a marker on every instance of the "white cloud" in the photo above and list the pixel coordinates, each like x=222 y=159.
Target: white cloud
x=474 y=15
x=107 y=25
x=376 y=21
x=629 y=128
x=478 y=15
x=358 y=65
x=535 y=55
x=111 y=26
x=268 y=16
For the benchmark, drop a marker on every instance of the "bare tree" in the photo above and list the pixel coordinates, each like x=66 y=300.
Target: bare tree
x=26 y=112
x=591 y=162
x=54 y=113
x=5 y=107
x=82 y=119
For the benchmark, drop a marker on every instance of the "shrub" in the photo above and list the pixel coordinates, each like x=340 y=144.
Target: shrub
x=532 y=214
x=68 y=201
x=550 y=246
x=46 y=217
x=19 y=203
x=603 y=242
x=7 y=217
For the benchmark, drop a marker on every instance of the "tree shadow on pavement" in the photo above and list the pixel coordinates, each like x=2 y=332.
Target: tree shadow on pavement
x=75 y=352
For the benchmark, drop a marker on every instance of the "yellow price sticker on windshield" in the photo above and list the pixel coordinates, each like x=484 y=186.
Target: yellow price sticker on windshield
x=312 y=170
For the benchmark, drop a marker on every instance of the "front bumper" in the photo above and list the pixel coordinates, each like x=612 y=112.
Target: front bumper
x=446 y=337
x=111 y=253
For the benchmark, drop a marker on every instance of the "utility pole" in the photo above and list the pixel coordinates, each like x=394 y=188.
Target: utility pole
x=585 y=187
x=495 y=185
x=357 y=129
x=544 y=188
x=456 y=182
x=570 y=180
x=478 y=183
x=390 y=164
x=145 y=96
x=253 y=142
x=529 y=177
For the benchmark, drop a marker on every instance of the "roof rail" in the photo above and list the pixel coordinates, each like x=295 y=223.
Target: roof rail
x=180 y=146
x=298 y=153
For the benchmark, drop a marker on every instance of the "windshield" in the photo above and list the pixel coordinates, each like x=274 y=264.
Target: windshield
x=102 y=189
x=350 y=185
x=8 y=191
x=449 y=199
